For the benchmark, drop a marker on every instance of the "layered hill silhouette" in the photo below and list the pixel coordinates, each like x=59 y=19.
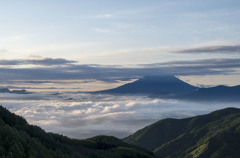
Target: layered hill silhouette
x=170 y=87
x=164 y=85
x=19 y=139
x=6 y=90
x=215 y=135
x=218 y=93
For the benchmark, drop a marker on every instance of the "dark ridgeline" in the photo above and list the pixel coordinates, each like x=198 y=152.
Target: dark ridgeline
x=215 y=135
x=218 y=93
x=18 y=139
x=170 y=87
x=6 y=90
x=162 y=85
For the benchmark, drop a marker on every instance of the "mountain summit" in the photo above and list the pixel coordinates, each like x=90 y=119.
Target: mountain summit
x=163 y=85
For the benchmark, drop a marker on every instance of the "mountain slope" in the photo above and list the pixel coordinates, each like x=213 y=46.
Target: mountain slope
x=218 y=93
x=163 y=85
x=19 y=139
x=214 y=135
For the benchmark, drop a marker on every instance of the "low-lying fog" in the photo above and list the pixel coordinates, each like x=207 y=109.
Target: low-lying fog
x=81 y=115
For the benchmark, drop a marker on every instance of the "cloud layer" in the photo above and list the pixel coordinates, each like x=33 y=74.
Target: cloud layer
x=87 y=115
x=63 y=70
x=38 y=73
x=212 y=49
x=42 y=62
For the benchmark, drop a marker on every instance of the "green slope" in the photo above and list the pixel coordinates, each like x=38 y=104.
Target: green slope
x=213 y=135
x=21 y=140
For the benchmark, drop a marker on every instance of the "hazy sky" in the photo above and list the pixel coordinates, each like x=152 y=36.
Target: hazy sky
x=80 y=45
x=123 y=32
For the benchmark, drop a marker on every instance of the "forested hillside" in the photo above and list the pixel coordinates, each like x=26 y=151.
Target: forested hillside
x=18 y=139
x=214 y=135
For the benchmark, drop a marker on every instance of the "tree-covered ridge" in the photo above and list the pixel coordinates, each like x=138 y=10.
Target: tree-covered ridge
x=19 y=139
x=213 y=135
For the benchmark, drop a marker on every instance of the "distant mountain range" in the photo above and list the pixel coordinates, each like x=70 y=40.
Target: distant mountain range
x=6 y=90
x=164 y=85
x=215 y=135
x=170 y=87
x=218 y=93
x=18 y=139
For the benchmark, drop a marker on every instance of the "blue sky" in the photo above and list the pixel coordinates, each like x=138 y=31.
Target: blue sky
x=122 y=32
x=88 y=45
x=93 y=29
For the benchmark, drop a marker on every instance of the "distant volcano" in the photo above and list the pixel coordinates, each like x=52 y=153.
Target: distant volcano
x=162 y=85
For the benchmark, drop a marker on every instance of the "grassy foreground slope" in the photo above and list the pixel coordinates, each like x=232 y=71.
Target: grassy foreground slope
x=215 y=135
x=19 y=139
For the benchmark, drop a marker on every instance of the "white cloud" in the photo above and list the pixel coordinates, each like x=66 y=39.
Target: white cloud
x=77 y=112
x=130 y=104
x=110 y=108
x=90 y=110
x=103 y=114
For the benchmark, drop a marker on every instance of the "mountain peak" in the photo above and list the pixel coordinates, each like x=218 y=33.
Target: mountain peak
x=154 y=85
x=159 y=77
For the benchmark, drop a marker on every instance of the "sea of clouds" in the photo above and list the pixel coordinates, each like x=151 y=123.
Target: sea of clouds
x=83 y=115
